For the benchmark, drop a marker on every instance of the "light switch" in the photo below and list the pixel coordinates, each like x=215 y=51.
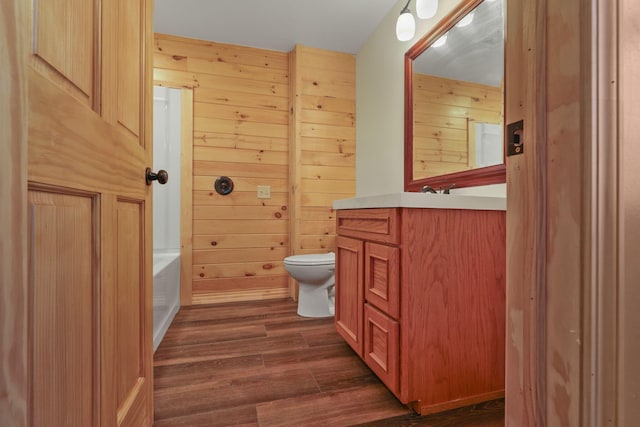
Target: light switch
x=264 y=191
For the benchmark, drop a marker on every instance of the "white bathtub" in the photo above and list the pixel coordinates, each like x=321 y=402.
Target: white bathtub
x=166 y=293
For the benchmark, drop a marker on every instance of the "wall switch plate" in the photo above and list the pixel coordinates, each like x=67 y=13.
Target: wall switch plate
x=264 y=191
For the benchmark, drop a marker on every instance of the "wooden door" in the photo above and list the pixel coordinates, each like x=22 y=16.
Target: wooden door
x=89 y=219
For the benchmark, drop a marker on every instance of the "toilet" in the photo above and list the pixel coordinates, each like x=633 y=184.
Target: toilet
x=315 y=274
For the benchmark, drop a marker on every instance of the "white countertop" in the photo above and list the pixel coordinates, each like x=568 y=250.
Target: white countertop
x=424 y=201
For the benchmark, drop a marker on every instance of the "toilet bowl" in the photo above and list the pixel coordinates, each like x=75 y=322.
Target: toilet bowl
x=315 y=274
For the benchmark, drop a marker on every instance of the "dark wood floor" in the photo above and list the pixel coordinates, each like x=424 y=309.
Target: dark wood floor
x=259 y=364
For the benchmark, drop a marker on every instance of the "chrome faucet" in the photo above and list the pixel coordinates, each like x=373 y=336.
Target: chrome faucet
x=447 y=189
x=443 y=190
x=427 y=189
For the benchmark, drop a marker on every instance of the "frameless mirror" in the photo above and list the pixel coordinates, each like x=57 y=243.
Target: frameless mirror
x=454 y=109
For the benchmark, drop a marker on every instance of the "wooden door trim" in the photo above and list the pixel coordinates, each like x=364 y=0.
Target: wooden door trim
x=295 y=156
x=186 y=197
x=525 y=99
x=604 y=252
x=13 y=214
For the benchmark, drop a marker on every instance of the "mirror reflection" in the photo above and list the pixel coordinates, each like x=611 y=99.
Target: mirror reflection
x=457 y=87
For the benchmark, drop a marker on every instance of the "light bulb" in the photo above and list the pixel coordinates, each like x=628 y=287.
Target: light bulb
x=441 y=41
x=465 y=21
x=426 y=8
x=406 y=26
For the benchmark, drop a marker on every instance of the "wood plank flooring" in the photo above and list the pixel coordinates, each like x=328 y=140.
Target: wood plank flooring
x=260 y=364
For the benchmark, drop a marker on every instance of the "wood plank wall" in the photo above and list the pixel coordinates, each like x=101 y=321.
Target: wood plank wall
x=322 y=150
x=240 y=126
x=243 y=122
x=444 y=112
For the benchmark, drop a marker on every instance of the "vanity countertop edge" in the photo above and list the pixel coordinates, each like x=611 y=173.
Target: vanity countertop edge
x=423 y=201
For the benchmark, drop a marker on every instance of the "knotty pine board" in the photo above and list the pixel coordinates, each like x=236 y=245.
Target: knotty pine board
x=323 y=137
x=444 y=114
x=243 y=129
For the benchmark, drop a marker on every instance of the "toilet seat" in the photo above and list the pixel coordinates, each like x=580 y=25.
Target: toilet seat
x=311 y=259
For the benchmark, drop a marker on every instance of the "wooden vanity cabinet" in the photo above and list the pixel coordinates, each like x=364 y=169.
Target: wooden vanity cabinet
x=420 y=296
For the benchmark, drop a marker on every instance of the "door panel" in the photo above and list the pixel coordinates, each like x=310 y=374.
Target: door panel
x=129 y=64
x=64 y=45
x=70 y=146
x=63 y=292
x=130 y=299
x=123 y=66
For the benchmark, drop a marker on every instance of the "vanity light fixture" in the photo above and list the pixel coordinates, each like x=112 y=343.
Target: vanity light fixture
x=441 y=41
x=406 y=25
x=468 y=19
x=426 y=8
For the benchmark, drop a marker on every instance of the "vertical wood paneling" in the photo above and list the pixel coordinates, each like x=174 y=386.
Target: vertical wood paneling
x=13 y=215
x=63 y=324
x=322 y=133
x=445 y=112
x=240 y=129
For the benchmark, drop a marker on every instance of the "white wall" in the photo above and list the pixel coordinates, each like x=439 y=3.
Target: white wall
x=166 y=155
x=380 y=103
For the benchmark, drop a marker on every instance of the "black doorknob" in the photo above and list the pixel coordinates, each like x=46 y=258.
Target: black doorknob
x=162 y=176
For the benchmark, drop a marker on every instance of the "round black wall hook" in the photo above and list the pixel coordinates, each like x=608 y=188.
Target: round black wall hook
x=223 y=185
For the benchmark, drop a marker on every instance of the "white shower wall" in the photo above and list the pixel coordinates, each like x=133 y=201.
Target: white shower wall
x=166 y=155
x=166 y=210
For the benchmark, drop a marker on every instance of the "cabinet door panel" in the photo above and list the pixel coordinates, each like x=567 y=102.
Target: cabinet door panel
x=381 y=346
x=382 y=277
x=349 y=291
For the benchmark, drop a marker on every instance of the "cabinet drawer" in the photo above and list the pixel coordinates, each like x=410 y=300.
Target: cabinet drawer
x=378 y=225
x=382 y=277
x=381 y=346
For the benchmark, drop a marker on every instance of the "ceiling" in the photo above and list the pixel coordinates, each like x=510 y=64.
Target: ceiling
x=474 y=53
x=338 y=25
